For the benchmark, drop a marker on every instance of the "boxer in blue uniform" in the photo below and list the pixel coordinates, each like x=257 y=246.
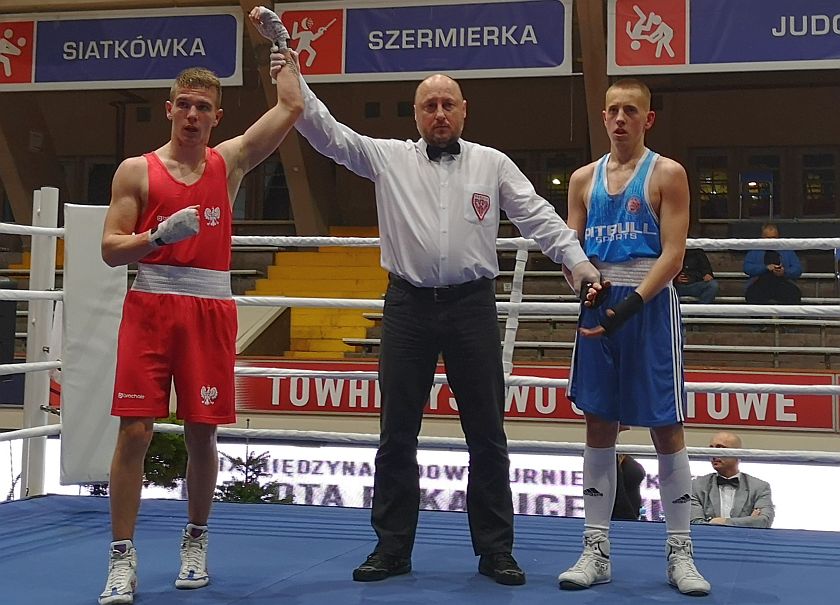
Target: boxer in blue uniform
x=630 y=209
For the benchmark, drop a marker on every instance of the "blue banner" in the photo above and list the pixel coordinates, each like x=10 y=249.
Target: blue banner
x=510 y=35
x=406 y=39
x=738 y=31
x=140 y=49
x=658 y=36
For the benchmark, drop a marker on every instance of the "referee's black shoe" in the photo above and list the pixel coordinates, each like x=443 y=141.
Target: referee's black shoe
x=502 y=567
x=379 y=566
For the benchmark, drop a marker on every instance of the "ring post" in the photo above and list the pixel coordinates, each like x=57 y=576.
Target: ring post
x=37 y=385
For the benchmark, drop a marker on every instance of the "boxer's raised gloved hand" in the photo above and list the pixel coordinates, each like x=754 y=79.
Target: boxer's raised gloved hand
x=270 y=27
x=177 y=227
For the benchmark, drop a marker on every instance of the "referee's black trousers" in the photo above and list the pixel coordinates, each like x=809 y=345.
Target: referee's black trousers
x=418 y=324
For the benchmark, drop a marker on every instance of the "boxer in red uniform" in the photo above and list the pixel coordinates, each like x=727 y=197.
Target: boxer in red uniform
x=170 y=212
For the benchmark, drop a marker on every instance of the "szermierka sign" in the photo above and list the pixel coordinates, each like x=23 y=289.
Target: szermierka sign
x=140 y=49
x=656 y=36
x=408 y=39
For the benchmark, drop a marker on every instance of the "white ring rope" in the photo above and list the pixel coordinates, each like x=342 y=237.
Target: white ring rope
x=35 y=431
x=292 y=241
x=550 y=308
x=532 y=447
x=32 y=366
x=515 y=243
x=31 y=295
x=512 y=243
x=540 y=381
x=290 y=301
x=762 y=243
x=16 y=229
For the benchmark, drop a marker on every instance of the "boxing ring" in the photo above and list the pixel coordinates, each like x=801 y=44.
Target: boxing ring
x=53 y=548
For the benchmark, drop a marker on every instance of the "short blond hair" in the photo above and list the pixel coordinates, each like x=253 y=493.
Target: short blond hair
x=197 y=77
x=632 y=83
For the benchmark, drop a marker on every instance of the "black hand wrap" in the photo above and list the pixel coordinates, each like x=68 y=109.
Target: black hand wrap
x=600 y=295
x=623 y=311
x=157 y=241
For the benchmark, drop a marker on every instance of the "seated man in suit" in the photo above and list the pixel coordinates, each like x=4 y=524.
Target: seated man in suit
x=730 y=497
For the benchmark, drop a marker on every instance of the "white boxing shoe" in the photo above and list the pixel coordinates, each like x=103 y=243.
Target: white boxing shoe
x=122 y=575
x=682 y=573
x=593 y=566
x=193 y=573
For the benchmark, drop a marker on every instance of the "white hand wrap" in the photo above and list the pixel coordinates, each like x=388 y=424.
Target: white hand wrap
x=179 y=226
x=580 y=273
x=270 y=27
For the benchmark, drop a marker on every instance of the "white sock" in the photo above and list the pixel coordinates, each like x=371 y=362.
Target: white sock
x=675 y=492
x=599 y=479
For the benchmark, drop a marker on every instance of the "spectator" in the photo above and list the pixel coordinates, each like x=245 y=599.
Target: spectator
x=728 y=496
x=628 y=495
x=772 y=273
x=696 y=277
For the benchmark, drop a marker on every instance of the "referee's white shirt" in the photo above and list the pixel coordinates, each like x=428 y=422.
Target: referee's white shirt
x=433 y=227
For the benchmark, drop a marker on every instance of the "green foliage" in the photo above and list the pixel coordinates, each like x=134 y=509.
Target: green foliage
x=166 y=459
x=165 y=464
x=248 y=489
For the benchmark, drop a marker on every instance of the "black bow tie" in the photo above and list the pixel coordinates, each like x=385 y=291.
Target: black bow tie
x=733 y=481
x=434 y=153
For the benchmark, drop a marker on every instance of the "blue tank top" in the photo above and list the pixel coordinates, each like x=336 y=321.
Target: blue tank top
x=622 y=226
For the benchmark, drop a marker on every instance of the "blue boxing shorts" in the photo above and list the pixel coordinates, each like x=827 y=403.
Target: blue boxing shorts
x=634 y=375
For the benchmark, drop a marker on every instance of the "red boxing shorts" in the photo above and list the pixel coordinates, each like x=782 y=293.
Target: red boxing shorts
x=186 y=338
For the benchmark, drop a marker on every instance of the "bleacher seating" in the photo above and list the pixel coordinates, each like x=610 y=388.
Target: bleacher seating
x=710 y=341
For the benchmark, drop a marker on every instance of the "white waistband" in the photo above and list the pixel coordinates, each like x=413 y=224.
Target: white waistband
x=186 y=281
x=630 y=273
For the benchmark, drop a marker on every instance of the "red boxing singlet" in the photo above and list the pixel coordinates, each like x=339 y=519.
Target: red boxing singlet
x=210 y=248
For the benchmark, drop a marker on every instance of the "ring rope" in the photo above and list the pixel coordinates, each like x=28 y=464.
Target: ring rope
x=515 y=446
x=35 y=431
x=549 y=308
x=31 y=366
x=31 y=295
x=16 y=229
x=540 y=381
x=518 y=446
x=515 y=243
x=503 y=243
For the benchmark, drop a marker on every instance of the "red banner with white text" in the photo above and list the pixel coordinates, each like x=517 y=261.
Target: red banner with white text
x=308 y=394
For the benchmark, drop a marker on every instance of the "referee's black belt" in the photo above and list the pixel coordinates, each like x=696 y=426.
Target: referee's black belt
x=441 y=293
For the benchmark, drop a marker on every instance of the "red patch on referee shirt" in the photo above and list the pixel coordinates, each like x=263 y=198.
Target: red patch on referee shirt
x=634 y=204
x=481 y=204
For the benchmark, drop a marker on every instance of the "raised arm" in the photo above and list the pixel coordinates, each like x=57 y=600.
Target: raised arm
x=244 y=152
x=364 y=155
